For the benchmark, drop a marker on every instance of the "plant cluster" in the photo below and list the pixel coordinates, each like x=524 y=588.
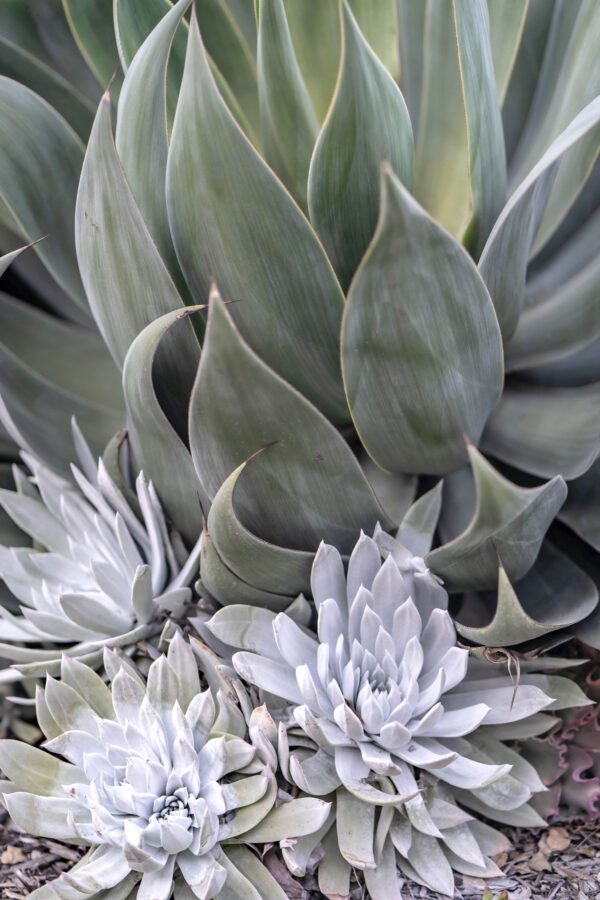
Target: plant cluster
x=310 y=292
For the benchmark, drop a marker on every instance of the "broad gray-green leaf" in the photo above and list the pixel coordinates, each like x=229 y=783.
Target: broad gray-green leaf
x=367 y=121
x=441 y=158
x=134 y=20
x=569 y=80
x=16 y=62
x=288 y=122
x=227 y=46
x=546 y=431
x=91 y=23
x=66 y=367
x=316 y=38
x=379 y=24
x=508 y=521
x=246 y=231
x=255 y=561
x=411 y=25
x=158 y=449
x=563 y=323
x=246 y=862
x=40 y=163
x=141 y=136
x=418 y=525
x=8 y=258
x=554 y=594
x=240 y=406
x=581 y=511
x=507 y=18
x=503 y=262
x=485 y=140
x=421 y=348
x=126 y=280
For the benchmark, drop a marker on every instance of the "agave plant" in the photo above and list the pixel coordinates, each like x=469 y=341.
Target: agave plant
x=162 y=781
x=104 y=569
x=407 y=728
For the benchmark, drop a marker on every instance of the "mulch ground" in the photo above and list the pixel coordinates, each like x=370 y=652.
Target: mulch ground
x=559 y=863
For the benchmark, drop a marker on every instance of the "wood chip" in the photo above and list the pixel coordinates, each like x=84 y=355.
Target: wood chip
x=11 y=856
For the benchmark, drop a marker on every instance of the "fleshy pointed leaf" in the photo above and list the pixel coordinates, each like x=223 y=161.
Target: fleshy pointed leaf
x=367 y=121
x=508 y=521
x=91 y=24
x=418 y=525
x=418 y=310
x=247 y=232
x=507 y=19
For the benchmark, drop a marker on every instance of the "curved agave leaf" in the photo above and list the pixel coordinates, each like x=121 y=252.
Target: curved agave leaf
x=141 y=137
x=254 y=561
x=288 y=122
x=8 y=258
x=546 y=430
x=316 y=38
x=227 y=588
x=344 y=178
x=133 y=21
x=411 y=25
x=485 y=140
x=40 y=162
x=553 y=595
x=418 y=525
x=507 y=20
x=91 y=24
x=157 y=448
x=118 y=259
x=503 y=262
x=581 y=511
x=421 y=349
x=240 y=406
x=248 y=233
x=508 y=522
x=16 y=62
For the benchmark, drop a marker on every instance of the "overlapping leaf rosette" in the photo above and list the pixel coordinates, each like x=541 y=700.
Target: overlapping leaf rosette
x=401 y=724
x=103 y=568
x=163 y=781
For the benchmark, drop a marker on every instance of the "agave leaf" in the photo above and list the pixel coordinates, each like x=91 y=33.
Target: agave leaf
x=158 y=449
x=507 y=20
x=508 y=521
x=8 y=258
x=141 y=137
x=255 y=561
x=546 y=431
x=134 y=20
x=288 y=122
x=581 y=511
x=228 y=588
x=316 y=38
x=560 y=325
x=503 y=262
x=238 y=407
x=441 y=160
x=416 y=311
x=554 y=594
x=487 y=163
x=290 y=302
x=40 y=162
x=344 y=179
x=91 y=24
x=418 y=525
x=23 y=66
x=569 y=80
x=257 y=874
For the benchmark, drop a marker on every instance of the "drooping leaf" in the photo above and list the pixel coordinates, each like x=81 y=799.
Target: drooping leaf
x=246 y=231
x=141 y=136
x=581 y=511
x=508 y=522
x=421 y=350
x=255 y=561
x=546 y=431
x=40 y=163
x=288 y=122
x=503 y=262
x=485 y=141
x=118 y=259
x=91 y=23
x=507 y=19
x=158 y=449
x=238 y=407
x=367 y=121
x=554 y=594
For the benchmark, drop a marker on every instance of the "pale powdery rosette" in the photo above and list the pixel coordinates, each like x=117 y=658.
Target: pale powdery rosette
x=163 y=781
x=406 y=722
x=99 y=572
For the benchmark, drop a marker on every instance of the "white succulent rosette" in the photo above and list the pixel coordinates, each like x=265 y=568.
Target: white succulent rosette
x=98 y=573
x=163 y=781
x=406 y=722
